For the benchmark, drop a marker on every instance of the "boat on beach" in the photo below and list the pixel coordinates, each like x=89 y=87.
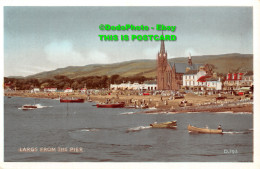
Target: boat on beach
x=72 y=100
x=221 y=98
x=194 y=129
x=111 y=105
x=168 y=124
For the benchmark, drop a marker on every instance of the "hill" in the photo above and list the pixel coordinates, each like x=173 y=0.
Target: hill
x=224 y=63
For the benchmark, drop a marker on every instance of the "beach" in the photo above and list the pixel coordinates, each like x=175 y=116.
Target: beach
x=154 y=103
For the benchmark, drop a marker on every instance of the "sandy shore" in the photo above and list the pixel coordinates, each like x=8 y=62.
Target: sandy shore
x=205 y=103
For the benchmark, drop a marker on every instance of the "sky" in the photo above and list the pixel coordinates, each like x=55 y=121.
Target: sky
x=40 y=39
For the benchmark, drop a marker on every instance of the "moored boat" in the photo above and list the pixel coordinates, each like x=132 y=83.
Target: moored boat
x=168 y=124
x=72 y=100
x=112 y=105
x=204 y=130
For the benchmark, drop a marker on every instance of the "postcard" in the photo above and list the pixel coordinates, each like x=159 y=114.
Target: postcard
x=139 y=84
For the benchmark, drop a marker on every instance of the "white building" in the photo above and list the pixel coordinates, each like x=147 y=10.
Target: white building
x=35 y=90
x=134 y=86
x=83 y=90
x=68 y=90
x=191 y=79
x=199 y=80
x=50 y=89
x=214 y=84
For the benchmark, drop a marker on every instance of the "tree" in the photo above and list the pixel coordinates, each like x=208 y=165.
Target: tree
x=209 y=68
x=114 y=79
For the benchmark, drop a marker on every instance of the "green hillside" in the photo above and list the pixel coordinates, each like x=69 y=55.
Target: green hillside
x=224 y=63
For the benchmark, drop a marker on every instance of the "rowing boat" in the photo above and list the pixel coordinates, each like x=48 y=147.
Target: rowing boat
x=204 y=130
x=168 y=124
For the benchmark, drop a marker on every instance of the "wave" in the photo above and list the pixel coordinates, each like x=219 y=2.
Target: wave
x=89 y=129
x=138 y=128
x=125 y=113
x=39 y=106
x=236 y=132
x=243 y=113
x=225 y=112
x=161 y=113
x=231 y=112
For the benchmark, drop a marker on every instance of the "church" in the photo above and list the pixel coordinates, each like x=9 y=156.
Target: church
x=170 y=74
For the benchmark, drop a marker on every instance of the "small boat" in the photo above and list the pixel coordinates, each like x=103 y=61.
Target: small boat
x=204 y=130
x=29 y=107
x=221 y=98
x=72 y=100
x=178 y=97
x=168 y=124
x=112 y=105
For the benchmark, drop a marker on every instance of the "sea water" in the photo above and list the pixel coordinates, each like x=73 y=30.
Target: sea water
x=80 y=132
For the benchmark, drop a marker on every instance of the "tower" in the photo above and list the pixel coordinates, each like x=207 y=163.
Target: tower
x=161 y=66
x=190 y=61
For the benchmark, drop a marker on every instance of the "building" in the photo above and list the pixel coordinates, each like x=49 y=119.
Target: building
x=200 y=80
x=193 y=78
x=35 y=90
x=68 y=90
x=213 y=84
x=134 y=86
x=248 y=79
x=83 y=90
x=170 y=74
x=50 y=89
x=7 y=86
x=235 y=81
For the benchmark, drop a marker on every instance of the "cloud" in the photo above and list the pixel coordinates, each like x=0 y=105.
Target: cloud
x=151 y=53
x=62 y=53
x=98 y=57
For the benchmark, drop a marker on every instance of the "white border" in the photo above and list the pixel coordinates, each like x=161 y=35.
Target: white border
x=143 y=165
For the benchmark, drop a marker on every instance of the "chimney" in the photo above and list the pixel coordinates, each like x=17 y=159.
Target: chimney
x=214 y=75
x=202 y=68
x=187 y=69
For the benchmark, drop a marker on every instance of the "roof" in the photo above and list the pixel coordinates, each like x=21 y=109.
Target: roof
x=181 y=67
x=150 y=82
x=212 y=79
x=191 y=72
x=203 y=78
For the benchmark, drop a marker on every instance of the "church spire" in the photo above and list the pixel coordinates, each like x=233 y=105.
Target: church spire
x=162 y=49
